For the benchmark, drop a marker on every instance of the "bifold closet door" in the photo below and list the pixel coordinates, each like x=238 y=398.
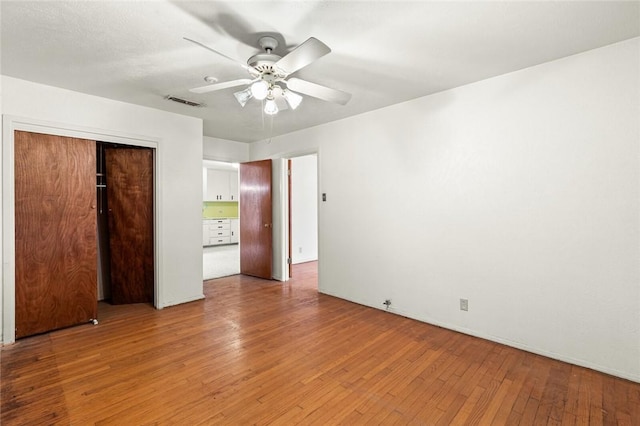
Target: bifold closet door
x=55 y=232
x=129 y=177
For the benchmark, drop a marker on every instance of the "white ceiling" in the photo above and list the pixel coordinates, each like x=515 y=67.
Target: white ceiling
x=382 y=52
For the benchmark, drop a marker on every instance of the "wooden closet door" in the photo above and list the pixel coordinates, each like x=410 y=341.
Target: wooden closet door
x=129 y=173
x=55 y=232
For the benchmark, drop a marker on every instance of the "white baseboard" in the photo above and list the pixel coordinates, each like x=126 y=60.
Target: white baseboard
x=179 y=302
x=517 y=345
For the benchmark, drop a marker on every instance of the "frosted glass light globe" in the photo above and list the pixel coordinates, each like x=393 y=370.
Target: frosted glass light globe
x=260 y=89
x=270 y=107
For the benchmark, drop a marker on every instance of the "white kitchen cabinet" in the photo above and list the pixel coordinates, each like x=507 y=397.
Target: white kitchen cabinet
x=222 y=185
x=234 y=227
x=216 y=232
x=233 y=186
x=216 y=241
x=217 y=185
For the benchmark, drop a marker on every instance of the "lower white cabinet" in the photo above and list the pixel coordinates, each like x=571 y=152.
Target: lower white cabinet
x=219 y=231
x=234 y=227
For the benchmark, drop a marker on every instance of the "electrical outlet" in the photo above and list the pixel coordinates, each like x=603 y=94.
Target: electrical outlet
x=464 y=304
x=299 y=249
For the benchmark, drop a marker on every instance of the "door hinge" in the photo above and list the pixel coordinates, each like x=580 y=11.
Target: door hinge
x=288 y=261
x=289 y=172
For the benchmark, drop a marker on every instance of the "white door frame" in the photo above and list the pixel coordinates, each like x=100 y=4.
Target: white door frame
x=9 y=125
x=281 y=209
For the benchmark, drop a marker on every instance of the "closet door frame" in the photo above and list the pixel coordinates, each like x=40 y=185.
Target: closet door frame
x=7 y=257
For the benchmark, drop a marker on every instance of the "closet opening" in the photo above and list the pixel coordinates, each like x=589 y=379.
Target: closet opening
x=84 y=230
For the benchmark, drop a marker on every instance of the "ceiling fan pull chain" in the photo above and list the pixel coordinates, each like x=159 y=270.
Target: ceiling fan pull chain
x=270 y=128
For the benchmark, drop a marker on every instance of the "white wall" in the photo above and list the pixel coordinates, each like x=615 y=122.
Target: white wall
x=279 y=220
x=1 y=212
x=225 y=150
x=178 y=140
x=519 y=193
x=304 y=208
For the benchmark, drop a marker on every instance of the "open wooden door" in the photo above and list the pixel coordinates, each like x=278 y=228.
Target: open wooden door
x=255 y=219
x=129 y=177
x=55 y=225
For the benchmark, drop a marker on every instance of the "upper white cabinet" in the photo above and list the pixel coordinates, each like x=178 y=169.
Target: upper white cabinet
x=222 y=185
x=233 y=186
x=217 y=185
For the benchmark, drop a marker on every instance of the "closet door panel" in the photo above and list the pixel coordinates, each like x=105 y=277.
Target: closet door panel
x=55 y=225
x=129 y=173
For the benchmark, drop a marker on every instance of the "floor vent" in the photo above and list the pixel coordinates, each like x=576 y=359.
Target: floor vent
x=183 y=101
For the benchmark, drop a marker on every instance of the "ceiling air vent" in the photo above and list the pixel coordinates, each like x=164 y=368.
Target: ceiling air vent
x=183 y=101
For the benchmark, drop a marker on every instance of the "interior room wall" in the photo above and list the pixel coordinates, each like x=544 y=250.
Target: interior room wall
x=2 y=271
x=304 y=209
x=519 y=193
x=178 y=175
x=225 y=150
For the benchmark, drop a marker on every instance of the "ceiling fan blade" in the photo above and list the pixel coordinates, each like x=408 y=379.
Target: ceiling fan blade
x=245 y=66
x=220 y=86
x=302 y=56
x=318 y=91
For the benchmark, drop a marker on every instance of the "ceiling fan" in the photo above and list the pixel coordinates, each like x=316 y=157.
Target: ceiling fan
x=270 y=79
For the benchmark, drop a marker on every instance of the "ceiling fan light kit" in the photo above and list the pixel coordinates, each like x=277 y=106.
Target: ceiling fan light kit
x=260 y=89
x=270 y=107
x=270 y=73
x=243 y=96
x=292 y=98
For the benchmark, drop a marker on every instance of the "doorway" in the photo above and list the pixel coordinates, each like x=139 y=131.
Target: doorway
x=12 y=124
x=280 y=217
x=303 y=235
x=303 y=200
x=220 y=219
x=295 y=212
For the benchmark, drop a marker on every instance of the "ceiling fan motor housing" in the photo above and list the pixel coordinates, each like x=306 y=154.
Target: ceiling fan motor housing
x=263 y=62
x=268 y=43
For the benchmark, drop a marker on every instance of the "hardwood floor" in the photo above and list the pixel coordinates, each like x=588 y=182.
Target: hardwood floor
x=263 y=352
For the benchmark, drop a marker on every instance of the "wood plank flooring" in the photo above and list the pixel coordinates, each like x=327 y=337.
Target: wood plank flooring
x=263 y=352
